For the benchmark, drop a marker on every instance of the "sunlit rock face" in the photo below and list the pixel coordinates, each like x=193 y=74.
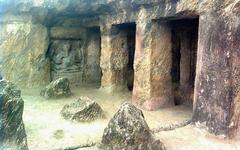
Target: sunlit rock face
x=22 y=48
x=12 y=131
x=128 y=130
x=82 y=110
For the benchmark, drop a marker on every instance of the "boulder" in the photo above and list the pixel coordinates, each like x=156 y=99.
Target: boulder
x=82 y=110
x=12 y=131
x=56 y=89
x=128 y=130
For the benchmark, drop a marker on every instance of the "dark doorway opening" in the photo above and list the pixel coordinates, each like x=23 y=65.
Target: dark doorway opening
x=127 y=31
x=184 y=56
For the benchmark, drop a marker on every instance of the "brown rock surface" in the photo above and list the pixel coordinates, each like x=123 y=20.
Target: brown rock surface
x=23 y=47
x=129 y=130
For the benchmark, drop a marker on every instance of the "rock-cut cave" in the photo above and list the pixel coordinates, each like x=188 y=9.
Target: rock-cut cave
x=119 y=74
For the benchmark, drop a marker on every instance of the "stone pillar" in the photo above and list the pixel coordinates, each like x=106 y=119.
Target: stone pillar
x=185 y=66
x=142 y=86
x=185 y=60
x=152 y=65
x=92 y=73
x=114 y=59
x=161 y=64
x=216 y=103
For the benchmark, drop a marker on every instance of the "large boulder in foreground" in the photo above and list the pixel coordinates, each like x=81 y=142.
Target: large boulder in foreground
x=12 y=131
x=56 y=89
x=82 y=110
x=128 y=130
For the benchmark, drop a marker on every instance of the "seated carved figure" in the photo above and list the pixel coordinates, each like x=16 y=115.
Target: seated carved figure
x=65 y=55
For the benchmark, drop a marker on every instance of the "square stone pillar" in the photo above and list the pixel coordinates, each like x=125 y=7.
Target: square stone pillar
x=114 y=59
x=185 y=87
x=185 y=61
x=153 y=61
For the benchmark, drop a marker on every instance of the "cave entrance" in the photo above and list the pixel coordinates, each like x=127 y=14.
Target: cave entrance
x=127 y=35
x=184 y=56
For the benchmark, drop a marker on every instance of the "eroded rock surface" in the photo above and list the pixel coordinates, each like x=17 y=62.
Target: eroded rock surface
x=128 y=130
x=82 y=110
x=22 y=48
x=12 y=131
x=56 y=89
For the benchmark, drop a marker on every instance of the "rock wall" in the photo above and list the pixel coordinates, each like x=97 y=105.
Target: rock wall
x=24 y=41
x=74 y=51
x=23 y=45
x=217 y=79
x=66 y=53
x=217 y=70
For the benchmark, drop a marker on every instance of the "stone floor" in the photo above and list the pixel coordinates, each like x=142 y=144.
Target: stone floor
x=46 y=129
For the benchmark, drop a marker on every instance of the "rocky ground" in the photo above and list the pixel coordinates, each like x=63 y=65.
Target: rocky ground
x=47 y=130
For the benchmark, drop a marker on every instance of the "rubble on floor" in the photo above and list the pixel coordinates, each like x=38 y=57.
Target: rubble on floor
x=56 y=89
x=82 y=110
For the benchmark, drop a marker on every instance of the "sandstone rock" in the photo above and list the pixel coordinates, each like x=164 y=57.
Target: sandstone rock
x=23 y=47
x=12 y=131
x=83 y=110
x=127 y=129
x=56 y=89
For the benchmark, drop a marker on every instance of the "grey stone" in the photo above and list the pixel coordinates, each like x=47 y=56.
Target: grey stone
x=12 y=131
x=56 y=89
x=67 y=33
x=128 y=130
x=66 y=55
x=82 y=110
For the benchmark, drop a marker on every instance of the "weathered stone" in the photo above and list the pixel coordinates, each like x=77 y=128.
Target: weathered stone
x=75 y=55
x=23 y=45
x=155 y=44
x=12 y=131
x=127 y=129
x=113 y=59
x=67 y=33
x=92 y=70
x=56 y=89
x=22 y=48
x=82 y=110
x=66 y=55
x=116 y=44
x=218 y=69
